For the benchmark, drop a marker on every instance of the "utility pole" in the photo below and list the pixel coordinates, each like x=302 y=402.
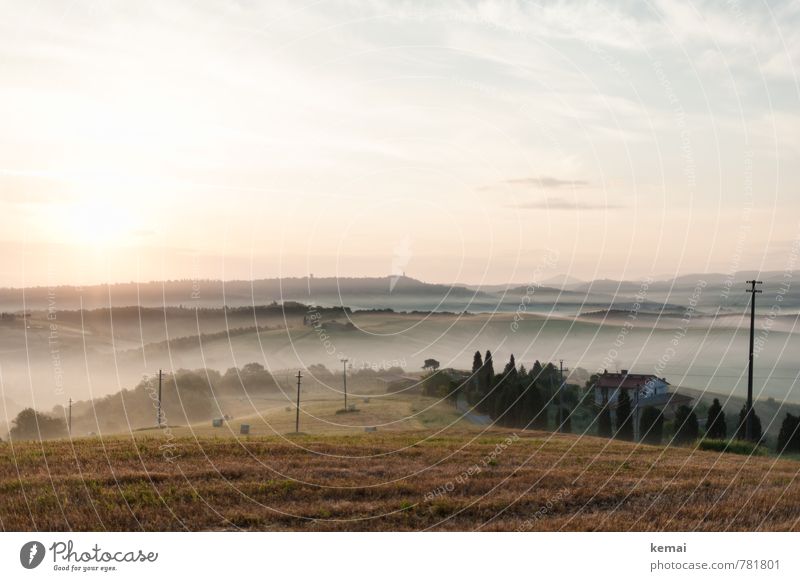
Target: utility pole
x=159 y=400
x=561 y=396
x=344 y=379
x=297 y=409
x=749 y=417
x=69 y=418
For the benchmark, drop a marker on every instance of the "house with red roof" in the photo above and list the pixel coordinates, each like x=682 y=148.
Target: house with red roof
x=643 y=389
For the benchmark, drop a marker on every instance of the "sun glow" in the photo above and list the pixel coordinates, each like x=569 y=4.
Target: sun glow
x=99 y=224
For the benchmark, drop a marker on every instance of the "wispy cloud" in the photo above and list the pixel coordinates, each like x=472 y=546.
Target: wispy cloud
x=554 y=203
x=547 y=182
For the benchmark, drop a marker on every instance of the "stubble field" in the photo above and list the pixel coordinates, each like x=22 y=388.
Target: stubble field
x=462 y=480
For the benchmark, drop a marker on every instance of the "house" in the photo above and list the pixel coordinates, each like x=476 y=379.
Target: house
x=643 y=389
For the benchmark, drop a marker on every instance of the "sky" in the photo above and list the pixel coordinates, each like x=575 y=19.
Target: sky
x=471 y=142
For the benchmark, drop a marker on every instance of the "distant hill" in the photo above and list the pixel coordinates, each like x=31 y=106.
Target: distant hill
x=401 y=293
x=398 y=292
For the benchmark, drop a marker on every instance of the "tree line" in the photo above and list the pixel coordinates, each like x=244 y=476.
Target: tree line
x=524 y=398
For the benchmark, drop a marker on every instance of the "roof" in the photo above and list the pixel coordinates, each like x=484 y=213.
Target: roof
x=627 y=380
x=666 y=399
x=660 y=400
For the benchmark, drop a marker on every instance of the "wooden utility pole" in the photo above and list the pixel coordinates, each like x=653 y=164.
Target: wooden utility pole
x=561 y=396
x=158 y=419
x=69 y=418
x=297 y=409
x=344 y=379
x=749 y=417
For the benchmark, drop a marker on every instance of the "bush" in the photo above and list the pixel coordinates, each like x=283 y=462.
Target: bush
x=32 y=425
x=731 y=446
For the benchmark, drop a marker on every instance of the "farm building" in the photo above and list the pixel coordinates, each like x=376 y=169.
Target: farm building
x=643 y=389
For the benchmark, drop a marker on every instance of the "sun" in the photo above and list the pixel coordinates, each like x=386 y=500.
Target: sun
x=99 y=223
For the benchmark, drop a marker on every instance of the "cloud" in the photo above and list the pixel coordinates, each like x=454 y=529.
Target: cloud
x=553 y=203
x=547 y=182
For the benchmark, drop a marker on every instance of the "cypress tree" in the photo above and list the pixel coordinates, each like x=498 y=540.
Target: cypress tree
x=741 y=428
x=565 y=422
x=510 y=371
x=686 y=426
x=624 y=416
x=533 y=414
x=789 y=436
x=716 y=429
x=487 y=384
x=477 y=378
x=488 y=371
x=477 y=362
x=651 y=425
x=604 y=429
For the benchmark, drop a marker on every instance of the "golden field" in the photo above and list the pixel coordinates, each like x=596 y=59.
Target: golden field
x=456 y=479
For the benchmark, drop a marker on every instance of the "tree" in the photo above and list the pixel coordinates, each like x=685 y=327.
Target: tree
x=604 y=429
x=565 y=420
x=431 y=364
x=32 y=425
x=477 y=363
x=716 y=429
x=476 y=392
x=536 y=371
x=532 y=414
x=510 y=371
x=624 y=416
x=488 y=371
x=686 y=426
x=741 y=428
x=789 y=436
x=487 y=383
x=651 y=425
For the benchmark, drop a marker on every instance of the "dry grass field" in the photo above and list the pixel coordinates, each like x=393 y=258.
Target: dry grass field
x=415 y=480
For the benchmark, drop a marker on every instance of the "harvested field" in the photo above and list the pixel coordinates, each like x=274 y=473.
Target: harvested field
x=397 y=481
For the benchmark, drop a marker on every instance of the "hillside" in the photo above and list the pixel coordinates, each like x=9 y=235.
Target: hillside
x=454 y=480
